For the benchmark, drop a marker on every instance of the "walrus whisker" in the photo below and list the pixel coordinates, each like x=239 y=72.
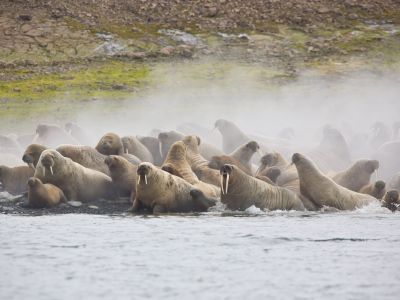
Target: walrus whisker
x=51 y=170
x=227 y=183
x=145 y=179
x=222 y=184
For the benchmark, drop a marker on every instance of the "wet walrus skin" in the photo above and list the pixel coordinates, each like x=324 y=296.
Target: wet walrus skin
x=162 y=192
x=323 y=191
x=43 y=195
x=239 y=191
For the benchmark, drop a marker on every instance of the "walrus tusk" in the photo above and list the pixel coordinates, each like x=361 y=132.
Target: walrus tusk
x=258 y=170
x=31 y=166
x=227 y=183
x=44 y=171
x=139 y=179
x=145 y=179
x=126 y=151
x=51 y=170
x=222 y=184
x=376 y=174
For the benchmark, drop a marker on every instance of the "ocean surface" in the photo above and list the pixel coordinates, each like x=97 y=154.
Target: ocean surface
x=216 y=255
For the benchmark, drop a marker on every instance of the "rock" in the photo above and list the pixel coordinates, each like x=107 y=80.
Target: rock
x=353 y=16
x=34 y=32
x=118 y=87
x=167 y=51
x=75 y=203
x=25 y=17
x=93 y=207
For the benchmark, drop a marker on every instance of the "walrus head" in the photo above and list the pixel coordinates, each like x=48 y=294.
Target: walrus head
x=269 y=159
x=391 y=200
x=32 y=154
x=110 y=144
x=112 y=161
x=296 y=158
x=371 y=166
x=220 y=124
x=216 y=162
x=70 y=127
x=47 y=160
x=273 y=173
x=41 y=129
x=143 y=172
x=33 y=181
x=253 y=146
x=225 y=171
x=380 y=185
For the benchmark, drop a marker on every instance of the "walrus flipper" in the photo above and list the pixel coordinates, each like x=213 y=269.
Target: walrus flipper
x=201 y=202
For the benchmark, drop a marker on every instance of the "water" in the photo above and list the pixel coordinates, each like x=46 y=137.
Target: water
x=253 y=255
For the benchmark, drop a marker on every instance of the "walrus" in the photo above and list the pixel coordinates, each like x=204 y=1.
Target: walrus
x=133 y=146
x=332 y=154
x=357 y=175
x=14 y=180
x=162 y=192
x=273 y=173
x=32 y=154
x=232 y=136
x=123 y=175
x=198 y=163
x=241 y=157
x=176 y=164
x=322 y=190
x=239 y=191
x=52 y=136
x=153 y=145
x=380 y=135
x=376 y=189
x=78 y=133
x=111 y=144
x=391 y=200
x=83 y=155
x=388 y=157
x=43 y=195
x=76 y=181
x=9 y=145
x=167 y=138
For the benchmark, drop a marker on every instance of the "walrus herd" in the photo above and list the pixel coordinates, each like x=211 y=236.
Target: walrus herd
x=186 y=171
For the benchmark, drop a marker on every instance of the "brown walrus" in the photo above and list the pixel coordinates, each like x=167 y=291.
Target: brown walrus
x=395 y=182
x=77 y=182
x=357 y=175
x=123 y=175
x=232 y=136
x=176 y=164
x=111 y=144
x=14 y=180
x=32 y=154
x=376 y=189
x=241 y=158
x=239 y=191
x=153 y=145
x=43 y=195
x=52 y=136
x=323 y=191
x=391 y=200
x=162 y=192
x=198 y=163
x=78 y=133
x=83 y=155
x=133 y=146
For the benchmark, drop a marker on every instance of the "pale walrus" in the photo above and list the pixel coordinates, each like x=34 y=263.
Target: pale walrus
x=43 y=195
x=52 y=136
x=198 y=163
x=162 y=192
x=78 y=133
x=77 y=182
x=391 y=200
x=357 y=175
x=14 y=180
x=239 y=191
x=133 y=146
x=323 y=191
x=123 y=175
x=241 y=157
x=232 y=136
x=153 y=145
x=32 y=154
x=111 y=144
x=167 y=138
x=395 y=182
x=176 y=164
x=376 y=189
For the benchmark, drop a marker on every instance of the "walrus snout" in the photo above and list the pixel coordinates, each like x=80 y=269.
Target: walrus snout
x=372 y=166
x=48 y=162
x=392 y=196
x=33 y=181
x=162 y=136
x=108 y=161
x=27 y=158
x=273 y=173
x=226 y=170
x=268 y=159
